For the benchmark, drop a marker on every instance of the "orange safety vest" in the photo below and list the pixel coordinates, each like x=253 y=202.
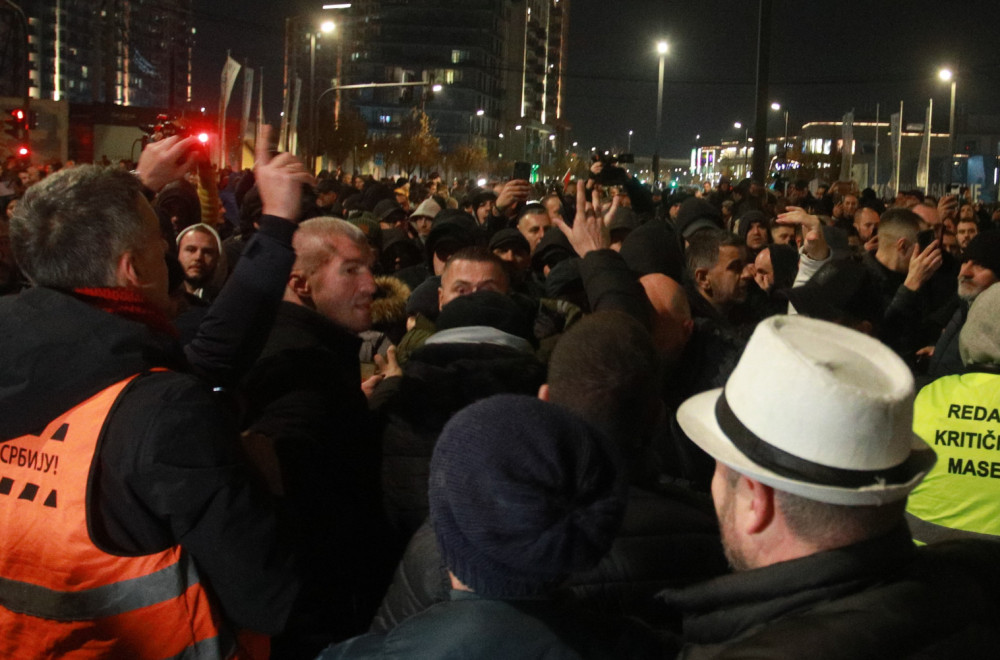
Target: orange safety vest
x=61 y=595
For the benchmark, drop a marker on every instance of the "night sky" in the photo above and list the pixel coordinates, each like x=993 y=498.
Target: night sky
x=825 y=60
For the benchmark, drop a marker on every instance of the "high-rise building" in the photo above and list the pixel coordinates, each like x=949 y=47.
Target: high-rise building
x=123 y=52
x=500 y=65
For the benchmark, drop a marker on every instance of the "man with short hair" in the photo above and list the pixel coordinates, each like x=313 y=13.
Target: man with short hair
x=533 y=222
x=782 y=235
x=717 y=280
x=902 y=269
x=198 y=251
x=305 y=399
x=979 y=271
x=866 y=222
x=810 y=501
x=716 y=263
x=470 y=270
x=152 y=535
x=965 y=231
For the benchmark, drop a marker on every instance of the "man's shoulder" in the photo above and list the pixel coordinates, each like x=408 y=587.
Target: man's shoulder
x=303 y=331
x=939 y=604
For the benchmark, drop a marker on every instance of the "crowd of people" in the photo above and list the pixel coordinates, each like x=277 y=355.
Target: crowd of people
x=274 y=414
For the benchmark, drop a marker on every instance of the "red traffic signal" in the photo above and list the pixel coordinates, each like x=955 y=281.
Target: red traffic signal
x=14 y=122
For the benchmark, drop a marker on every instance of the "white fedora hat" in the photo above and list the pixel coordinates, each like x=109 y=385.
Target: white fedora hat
x=817 y=410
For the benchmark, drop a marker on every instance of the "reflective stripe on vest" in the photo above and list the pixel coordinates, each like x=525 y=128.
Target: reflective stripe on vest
x=928 y=532
x=59 y=592
x=958 y=417
x=109 y=600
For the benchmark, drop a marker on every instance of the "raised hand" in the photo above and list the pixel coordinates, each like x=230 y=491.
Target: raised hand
x=279 y=179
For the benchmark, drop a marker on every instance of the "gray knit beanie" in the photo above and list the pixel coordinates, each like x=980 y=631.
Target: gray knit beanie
x=522 y=493
x=979 y=341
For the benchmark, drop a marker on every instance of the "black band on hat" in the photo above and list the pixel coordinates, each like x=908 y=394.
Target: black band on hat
x=790 y=466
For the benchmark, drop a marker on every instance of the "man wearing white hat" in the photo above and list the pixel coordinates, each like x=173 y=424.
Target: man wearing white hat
x=815 y=458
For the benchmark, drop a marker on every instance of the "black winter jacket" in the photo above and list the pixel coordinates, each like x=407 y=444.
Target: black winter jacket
x=438 y=381
x=304 y=394
x=664 y=540
x=882 y=598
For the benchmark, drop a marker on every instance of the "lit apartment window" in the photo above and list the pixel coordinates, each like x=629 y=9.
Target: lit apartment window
x=458 y=56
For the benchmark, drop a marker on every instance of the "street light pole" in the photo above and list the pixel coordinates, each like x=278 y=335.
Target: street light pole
x=661 y=49
x=312 y=101
x=629 y=141
x=326 y=27
x=947 y=76
x=746 y=144
x=479 y=113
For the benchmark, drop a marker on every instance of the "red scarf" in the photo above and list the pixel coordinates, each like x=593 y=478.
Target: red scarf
x=129 y=304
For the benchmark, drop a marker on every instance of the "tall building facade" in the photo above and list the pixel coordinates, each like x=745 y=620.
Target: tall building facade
x=123 y=52
x=500 y=64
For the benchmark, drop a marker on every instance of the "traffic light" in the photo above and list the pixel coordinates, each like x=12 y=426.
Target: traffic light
x=14 y=122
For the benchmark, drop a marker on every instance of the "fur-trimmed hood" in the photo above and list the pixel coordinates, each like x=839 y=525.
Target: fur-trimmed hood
x=389 y=304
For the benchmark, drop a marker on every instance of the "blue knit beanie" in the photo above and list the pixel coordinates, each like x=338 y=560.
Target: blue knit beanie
x=522 y=493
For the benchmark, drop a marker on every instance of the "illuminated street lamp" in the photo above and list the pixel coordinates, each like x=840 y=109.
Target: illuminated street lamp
x=479 y=113
x=630 y=141
x=946 y=75
x=661 y=50
x=746 y=144
x=784 y=136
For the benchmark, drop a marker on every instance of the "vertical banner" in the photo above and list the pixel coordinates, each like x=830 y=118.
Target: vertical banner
x=260 y=102
x=924 y=161
x=875 y=176
x=895 y=126
x=293 y=119
x=245 y=138
x=847 y=152
x=229 y=73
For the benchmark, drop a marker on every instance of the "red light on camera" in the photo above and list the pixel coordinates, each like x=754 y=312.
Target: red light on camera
x=23 y=151
x=203 y=138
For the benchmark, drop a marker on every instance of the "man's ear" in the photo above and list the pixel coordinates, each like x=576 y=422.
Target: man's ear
x=298 y=283
x=760 y=507
x=543 y=392
x=127 y=273
x=701 y=279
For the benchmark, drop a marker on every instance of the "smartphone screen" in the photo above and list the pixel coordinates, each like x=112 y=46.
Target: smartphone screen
x=522 y=170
